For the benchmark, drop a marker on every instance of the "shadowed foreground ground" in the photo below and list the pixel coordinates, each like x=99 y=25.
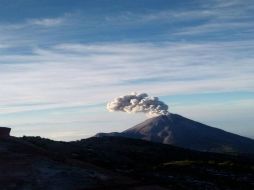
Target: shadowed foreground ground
x=117 y=163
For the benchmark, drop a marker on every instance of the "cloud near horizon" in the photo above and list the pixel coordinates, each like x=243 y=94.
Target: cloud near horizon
x=81 y=70
x=70 y=58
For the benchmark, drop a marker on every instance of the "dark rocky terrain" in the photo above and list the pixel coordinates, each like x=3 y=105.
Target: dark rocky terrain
x=117 y=163
x=180 y=131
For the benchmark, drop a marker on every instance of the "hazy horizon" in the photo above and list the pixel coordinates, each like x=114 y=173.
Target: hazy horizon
x=62 y=61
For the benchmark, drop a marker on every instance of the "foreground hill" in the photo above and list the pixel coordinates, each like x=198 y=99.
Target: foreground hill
x=117 y=163
x=180 y=131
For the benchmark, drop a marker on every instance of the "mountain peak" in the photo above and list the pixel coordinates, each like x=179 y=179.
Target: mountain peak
x=177 y=130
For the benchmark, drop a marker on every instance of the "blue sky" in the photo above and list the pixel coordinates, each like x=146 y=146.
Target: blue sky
x=61 y=61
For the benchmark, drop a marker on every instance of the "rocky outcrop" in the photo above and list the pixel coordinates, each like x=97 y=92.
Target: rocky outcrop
x=5 y=132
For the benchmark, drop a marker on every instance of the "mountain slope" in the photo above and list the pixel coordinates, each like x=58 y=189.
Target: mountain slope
x=180 y=131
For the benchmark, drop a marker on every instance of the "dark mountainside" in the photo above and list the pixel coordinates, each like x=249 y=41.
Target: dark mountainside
x=180 y=131
x=32 y=163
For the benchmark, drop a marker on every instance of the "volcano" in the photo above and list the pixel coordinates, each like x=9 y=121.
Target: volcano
x=177 y=130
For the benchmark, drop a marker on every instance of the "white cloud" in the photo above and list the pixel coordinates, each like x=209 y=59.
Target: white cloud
x=47 y=22
x=4 y=46
x=70 y=75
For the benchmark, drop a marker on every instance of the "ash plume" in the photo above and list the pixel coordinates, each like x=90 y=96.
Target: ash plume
x=135 y=102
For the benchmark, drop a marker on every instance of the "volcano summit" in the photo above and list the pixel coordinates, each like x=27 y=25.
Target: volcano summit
x=177 y=130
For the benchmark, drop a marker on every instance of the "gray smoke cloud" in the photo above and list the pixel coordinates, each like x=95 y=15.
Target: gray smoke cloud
x=135 y=102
